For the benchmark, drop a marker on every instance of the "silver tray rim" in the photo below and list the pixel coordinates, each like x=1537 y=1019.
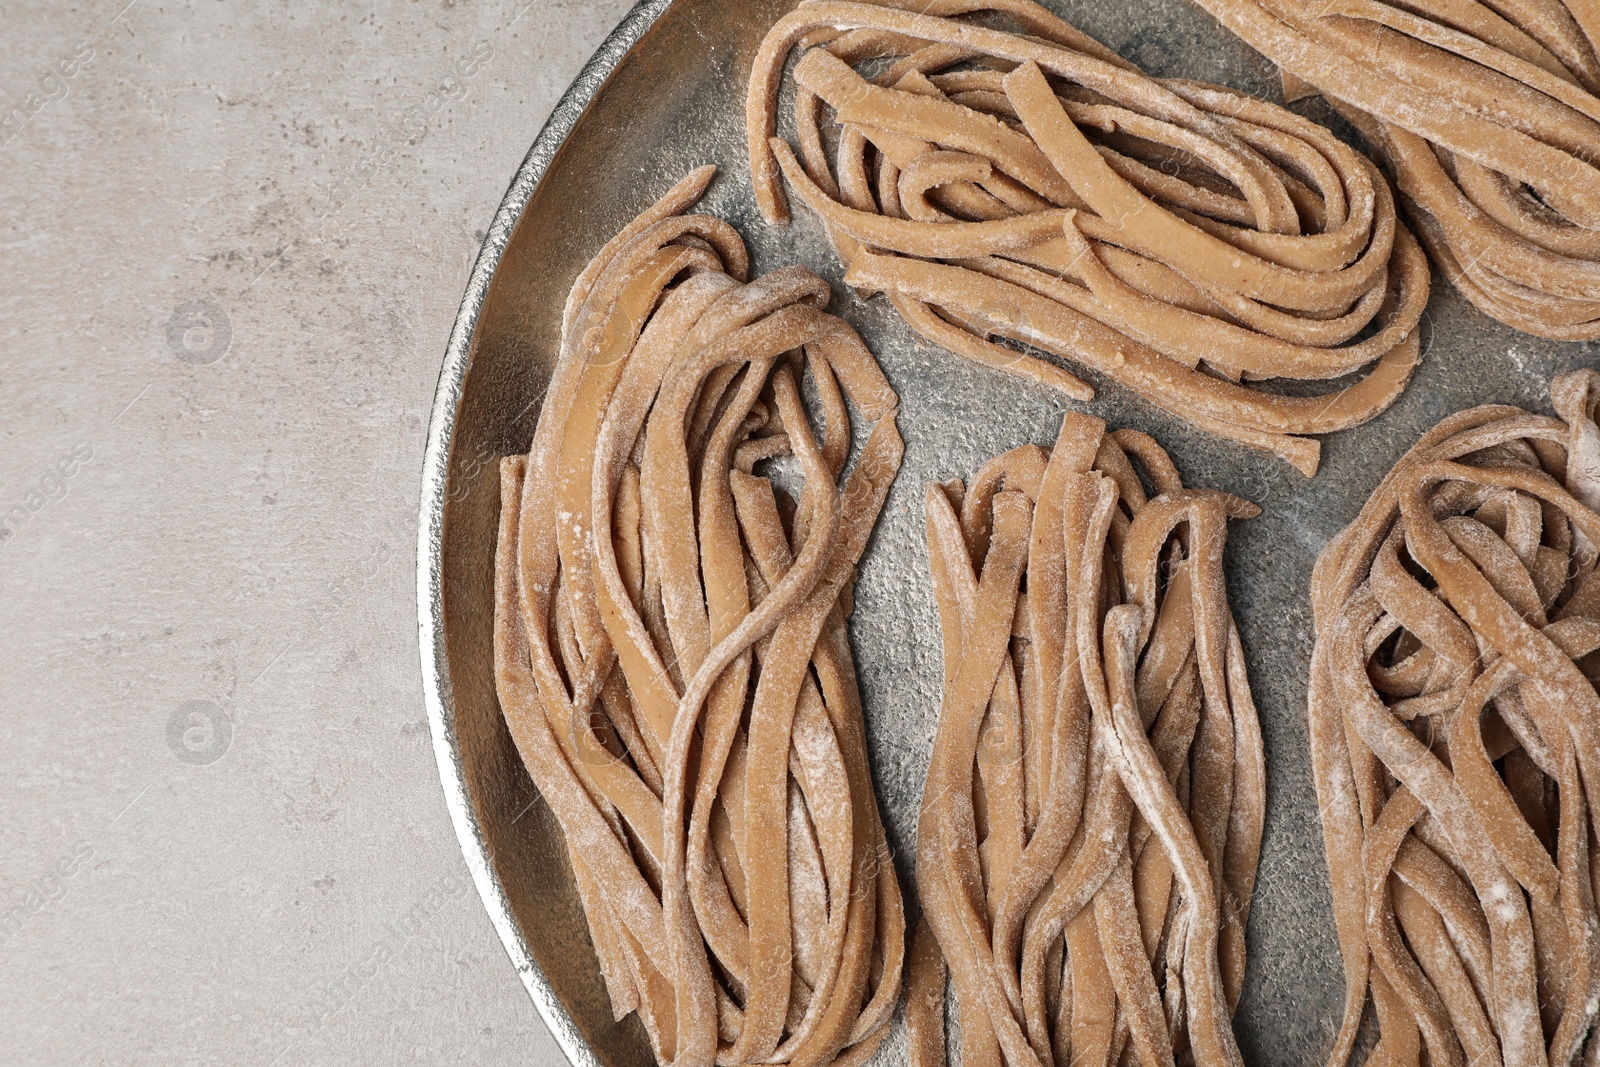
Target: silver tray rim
x=437 y=692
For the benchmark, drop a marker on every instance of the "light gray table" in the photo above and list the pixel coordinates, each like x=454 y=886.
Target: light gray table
x=233 y=240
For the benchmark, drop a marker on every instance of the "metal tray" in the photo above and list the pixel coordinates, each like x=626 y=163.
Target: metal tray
x=665 y=94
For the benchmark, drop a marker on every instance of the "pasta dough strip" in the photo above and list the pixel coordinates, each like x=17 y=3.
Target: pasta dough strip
x=1488 y=116
x=1102 y=922
x=671 y=653
x=1010 y=191
x=1467 y=558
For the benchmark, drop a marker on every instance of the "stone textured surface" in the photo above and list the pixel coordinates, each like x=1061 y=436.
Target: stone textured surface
x=234 y=240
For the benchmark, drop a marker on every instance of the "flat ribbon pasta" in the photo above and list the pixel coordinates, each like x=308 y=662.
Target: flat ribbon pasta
x=1185 y=240
x=1487 y=113
x=1091 y=821
x=1455 y=738
x=671 y=652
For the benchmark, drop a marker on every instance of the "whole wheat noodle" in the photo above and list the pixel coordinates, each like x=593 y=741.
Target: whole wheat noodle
x=1455 y=733
x=1182 y=239
x=1092 y=818
x=1487 y=112
x=671 y=654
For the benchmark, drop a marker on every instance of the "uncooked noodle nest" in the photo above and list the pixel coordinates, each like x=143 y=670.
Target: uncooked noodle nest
x=1455 y=732
x=1091 y=821
x=1185 y=240
x=1487 y=112
x=671 y=652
